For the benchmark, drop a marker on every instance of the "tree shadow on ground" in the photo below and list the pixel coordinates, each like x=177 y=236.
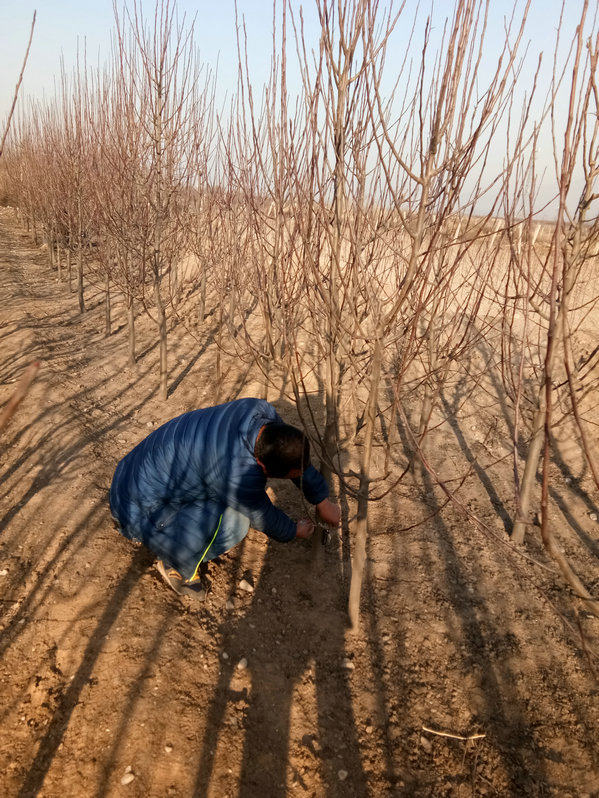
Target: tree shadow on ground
x=293 y=636
x=61 y=717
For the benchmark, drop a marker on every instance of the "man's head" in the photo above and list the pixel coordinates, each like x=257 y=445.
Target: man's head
x=282 y=450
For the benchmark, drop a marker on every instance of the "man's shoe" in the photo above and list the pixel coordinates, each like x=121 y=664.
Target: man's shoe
x=182 y=587
x=194 y=588
x=172 y=578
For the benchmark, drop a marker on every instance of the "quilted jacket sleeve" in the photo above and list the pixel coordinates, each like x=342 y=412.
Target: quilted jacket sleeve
x=313 y=486
x=249 y=497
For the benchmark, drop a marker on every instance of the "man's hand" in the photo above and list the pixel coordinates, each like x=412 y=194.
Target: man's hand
x=304 y=529
x=329 y=512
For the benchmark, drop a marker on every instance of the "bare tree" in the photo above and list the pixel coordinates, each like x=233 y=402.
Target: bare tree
x=17 y=87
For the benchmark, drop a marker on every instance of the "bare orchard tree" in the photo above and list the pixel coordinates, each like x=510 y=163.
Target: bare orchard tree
x=552 y=294
x=159 y=71
x=385 y=209
x=118 y=191
x=551 y=287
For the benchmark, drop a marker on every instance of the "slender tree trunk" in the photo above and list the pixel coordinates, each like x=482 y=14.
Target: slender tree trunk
x=162 y=338
x=157 y=264
x=48 y=239
x=530 y=469
x=69 y=270
x=361 y=525
x=131 y=329
x=535 y=446
x=265 y=380
x=429 y=392
x=80 y=277
x=80 y=256
x=218 y=363
x=107 y=308
x=232 y=302
x=174 y=282
x=330 y=435
x=333 y=370
x=51 y=242
x=59 y=262
x=202 y=302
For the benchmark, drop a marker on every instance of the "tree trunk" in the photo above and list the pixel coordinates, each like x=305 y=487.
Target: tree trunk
x=131 y=328
x=536 y=442
x=50 y=249
x=218 y=364
x=107 y=308
x=361 y=526
x=59 y=262
x=530 y=469
x=157 y=263
x=330 y=435
x=174 y=282
x=202 y=302
x=51 y=245
x=69 y=270
x=429 y=392
x=80 y=256
x=231 y=319
x=80 y=277
x=162 y=337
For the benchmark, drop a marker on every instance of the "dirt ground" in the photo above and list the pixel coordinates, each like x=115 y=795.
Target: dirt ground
x=112 y=686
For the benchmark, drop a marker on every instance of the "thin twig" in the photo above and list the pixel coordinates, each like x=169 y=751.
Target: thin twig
x=453 y=736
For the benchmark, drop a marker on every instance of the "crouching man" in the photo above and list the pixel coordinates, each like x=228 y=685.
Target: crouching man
x=191 y=490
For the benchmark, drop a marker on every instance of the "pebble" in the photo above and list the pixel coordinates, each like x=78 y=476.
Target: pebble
x=168 y=748
x=245 y=585
x=150 y=424
x=127 y=779
x=348 y=665
x=229 y=605
x=426 y=745
x=369 y=730
x=593 y=516
x=225 y=655
x=3 y=572
x=242 y=664
x=342 y=775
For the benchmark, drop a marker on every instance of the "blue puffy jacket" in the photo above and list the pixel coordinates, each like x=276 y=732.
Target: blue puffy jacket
x=190 y=490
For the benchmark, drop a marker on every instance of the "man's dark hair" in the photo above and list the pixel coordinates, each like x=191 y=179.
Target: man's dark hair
x=282 y=448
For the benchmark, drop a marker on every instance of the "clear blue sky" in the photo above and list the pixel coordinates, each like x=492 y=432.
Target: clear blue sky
x=61 y=23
